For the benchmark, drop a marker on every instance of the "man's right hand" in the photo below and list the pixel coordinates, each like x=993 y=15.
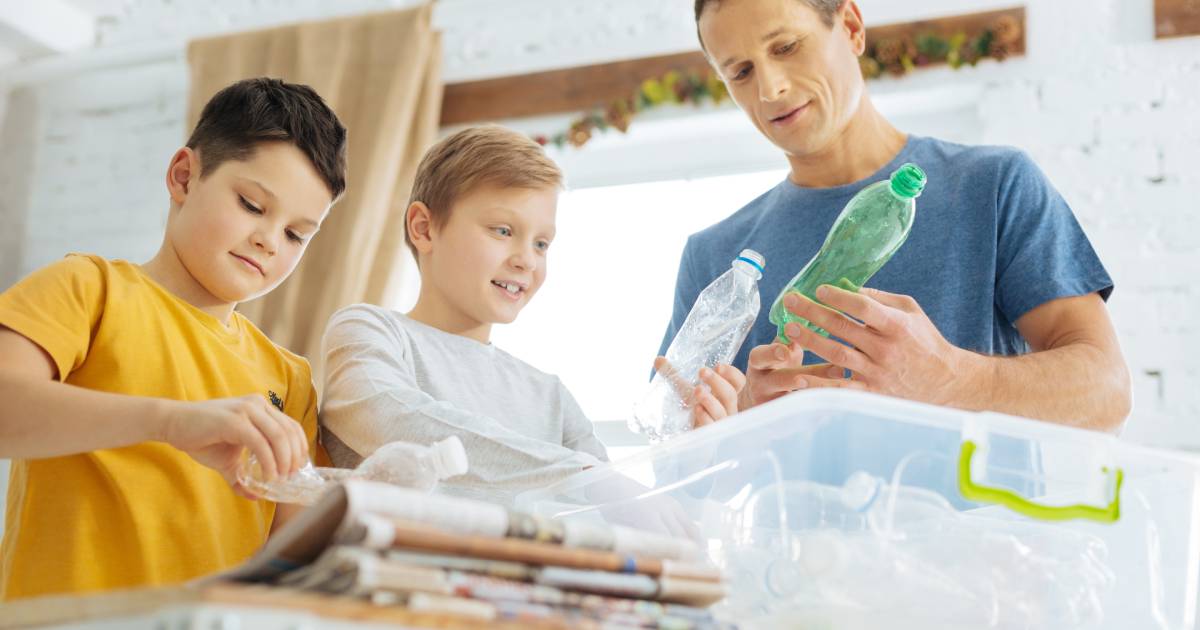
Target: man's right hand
x=214 y=432
x=776 y=369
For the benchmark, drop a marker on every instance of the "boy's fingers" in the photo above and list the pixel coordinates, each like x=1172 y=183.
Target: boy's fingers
x=296 y=434
x=721 y=389
x=277 y=439
x=710 y=407
x=241 y=491
x=249 y=436
x=732 y=375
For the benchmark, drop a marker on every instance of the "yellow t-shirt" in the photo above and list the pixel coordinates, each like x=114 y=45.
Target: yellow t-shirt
x=146 y=514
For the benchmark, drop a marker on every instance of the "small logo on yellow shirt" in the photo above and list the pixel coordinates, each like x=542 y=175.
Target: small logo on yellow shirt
x=276 y=400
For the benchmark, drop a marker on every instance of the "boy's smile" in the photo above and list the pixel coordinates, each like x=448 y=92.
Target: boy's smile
x=512 y=290
x=488 y=260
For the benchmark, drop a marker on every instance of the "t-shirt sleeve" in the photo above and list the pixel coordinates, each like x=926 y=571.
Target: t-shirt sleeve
x=57 y=308
x=1042 y=253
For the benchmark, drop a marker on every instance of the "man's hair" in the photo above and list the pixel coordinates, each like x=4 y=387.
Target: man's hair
x=253 y=111
x=826 y=9
x=474 y=157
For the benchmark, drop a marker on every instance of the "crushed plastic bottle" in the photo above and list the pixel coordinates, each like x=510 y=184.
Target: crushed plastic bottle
x=398 y=463
x=713 y=333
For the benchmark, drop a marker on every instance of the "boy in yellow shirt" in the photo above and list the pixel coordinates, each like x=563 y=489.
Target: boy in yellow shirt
x=130 y=391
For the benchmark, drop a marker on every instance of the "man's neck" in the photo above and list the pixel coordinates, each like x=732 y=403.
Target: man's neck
x=167 y=270
x=867 y=143
x=434 y=310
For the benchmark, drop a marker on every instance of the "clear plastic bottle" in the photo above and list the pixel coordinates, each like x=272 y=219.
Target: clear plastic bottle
x=398 y=463
x=872 y=226
x=413 y=465
x=713 y=333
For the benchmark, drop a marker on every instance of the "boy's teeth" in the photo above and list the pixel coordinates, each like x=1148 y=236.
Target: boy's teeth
x=511 y=288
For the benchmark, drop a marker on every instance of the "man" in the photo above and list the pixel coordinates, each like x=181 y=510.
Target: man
x=995 y=302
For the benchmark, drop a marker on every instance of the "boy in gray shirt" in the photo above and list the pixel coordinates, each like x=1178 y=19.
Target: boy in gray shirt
x=479 y=222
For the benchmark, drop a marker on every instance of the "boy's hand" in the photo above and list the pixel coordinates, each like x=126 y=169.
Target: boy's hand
x=716 y=396
x=214 y=432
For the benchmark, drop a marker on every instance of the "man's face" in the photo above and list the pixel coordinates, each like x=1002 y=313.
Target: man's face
x=241 y=229
x=796 y=78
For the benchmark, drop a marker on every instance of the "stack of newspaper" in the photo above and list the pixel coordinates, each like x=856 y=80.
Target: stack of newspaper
x=477 y=561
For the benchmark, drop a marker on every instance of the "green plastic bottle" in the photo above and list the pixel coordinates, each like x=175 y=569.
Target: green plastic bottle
x=872 y=226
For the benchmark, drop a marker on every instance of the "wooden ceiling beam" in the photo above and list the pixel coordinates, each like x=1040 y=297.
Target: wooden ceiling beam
x=582 y=88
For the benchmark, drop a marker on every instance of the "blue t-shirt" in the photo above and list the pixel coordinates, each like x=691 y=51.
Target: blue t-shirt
x=992 y=239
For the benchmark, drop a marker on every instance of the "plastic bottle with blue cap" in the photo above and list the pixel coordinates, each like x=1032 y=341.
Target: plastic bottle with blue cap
x=713 y=333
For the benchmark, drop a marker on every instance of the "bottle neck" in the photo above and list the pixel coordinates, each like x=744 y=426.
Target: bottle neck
x=747 y=268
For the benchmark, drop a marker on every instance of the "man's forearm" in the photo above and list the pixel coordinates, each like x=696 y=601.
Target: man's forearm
x=1080 y=385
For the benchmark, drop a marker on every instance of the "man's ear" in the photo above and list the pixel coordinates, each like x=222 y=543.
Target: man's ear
x=850 y=19
x=181 y=172
x=418 y=220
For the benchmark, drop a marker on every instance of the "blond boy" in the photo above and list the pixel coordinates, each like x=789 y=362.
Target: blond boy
x=480 y=221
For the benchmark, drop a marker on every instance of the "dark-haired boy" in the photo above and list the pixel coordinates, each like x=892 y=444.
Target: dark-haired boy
x=130 y=391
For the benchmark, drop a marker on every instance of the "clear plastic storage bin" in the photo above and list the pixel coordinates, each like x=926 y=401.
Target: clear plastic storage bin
x=833 y=509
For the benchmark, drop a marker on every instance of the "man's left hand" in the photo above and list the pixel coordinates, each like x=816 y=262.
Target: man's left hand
x=894 y=348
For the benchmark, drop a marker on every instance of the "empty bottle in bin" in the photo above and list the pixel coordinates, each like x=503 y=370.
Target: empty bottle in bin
x=713 y=333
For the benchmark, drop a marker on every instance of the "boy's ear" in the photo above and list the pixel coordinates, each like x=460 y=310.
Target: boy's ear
x=419 y=223
x=183 y=169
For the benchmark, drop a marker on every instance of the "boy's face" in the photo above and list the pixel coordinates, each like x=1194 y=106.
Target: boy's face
x=240 y=231
x=489 y=258
x=798 y=80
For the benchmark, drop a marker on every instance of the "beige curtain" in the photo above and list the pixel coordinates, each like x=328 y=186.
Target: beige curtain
x=381 y=73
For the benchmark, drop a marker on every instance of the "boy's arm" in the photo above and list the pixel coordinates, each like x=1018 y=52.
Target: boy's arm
x=578 y=432
x=371 y=398
x=41 y=417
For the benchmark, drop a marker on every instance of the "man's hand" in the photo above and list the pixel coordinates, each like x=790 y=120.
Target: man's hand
x=894 y=348
x=716 y=396
x=214 y=432
x=776 y=369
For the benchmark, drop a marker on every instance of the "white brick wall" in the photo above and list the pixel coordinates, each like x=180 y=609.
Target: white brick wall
x=1106 y=111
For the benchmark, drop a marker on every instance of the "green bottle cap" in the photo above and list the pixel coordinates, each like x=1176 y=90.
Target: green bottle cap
x=908 y=181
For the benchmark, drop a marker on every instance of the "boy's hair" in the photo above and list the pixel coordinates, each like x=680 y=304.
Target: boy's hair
x=826 y=9
x=252 y=111
x=474 y=157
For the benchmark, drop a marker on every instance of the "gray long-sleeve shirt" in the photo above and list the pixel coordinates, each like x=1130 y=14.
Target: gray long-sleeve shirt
x=388 y=378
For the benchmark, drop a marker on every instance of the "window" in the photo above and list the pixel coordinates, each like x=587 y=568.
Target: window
x=599 y=319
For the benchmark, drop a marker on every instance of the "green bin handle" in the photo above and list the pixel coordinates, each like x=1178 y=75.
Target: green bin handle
x=1019 y=504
